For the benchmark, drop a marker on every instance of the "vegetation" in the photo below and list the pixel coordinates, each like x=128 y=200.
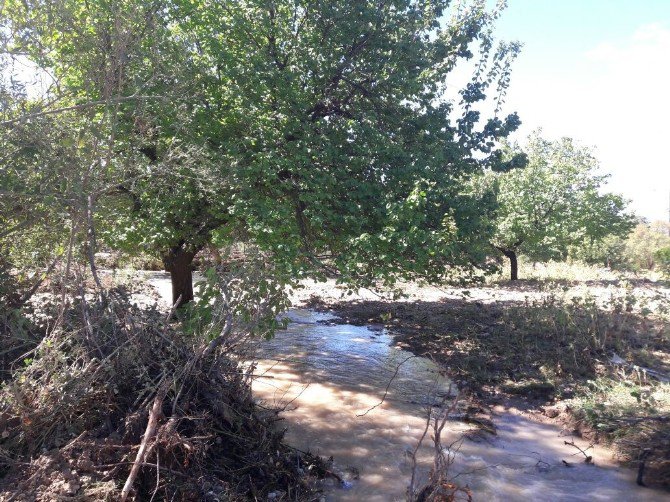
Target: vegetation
x=644 y=244
x=593 y=354
x=554 y=202
x=109 y=379
x=318 y=134
x=325 y=143
x=639 y=252
x=324 y=138
x=662 y=257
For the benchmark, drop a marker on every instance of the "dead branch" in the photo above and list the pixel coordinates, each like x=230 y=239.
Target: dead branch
x=388 y=386
x=154 y=415
x=587 y=458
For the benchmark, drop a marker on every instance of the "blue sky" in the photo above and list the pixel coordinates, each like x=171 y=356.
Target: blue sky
x=599 y=71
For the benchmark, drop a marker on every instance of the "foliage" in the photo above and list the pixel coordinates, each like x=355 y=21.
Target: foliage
x=254 y=287
x=644 y=242
x=639 y=251
x=320 y=132
x=554 y=202
x=663 y=260
x=610 y=252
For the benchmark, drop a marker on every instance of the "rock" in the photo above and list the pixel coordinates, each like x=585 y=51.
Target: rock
x=551 y=412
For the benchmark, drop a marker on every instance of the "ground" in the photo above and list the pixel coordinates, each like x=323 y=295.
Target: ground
x=591 y=353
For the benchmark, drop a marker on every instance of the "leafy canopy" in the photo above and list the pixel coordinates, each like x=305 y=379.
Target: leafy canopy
x=555 y=201
x=321 y=132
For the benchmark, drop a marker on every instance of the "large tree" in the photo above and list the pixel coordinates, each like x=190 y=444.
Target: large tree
x=319 y=131
x=554 y=202
x=82 y=137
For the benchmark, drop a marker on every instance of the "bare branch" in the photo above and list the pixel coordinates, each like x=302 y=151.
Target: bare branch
x=81 y=106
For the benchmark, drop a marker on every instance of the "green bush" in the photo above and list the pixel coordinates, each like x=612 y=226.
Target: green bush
x=662 y=257
x=608 y=252
x=641 y=250
x=643 y=244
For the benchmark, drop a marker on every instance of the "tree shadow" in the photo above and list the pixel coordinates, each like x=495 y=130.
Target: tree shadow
x=519 y=347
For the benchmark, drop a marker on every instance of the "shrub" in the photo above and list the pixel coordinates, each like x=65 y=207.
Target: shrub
x=662 y=257
x=643 y=243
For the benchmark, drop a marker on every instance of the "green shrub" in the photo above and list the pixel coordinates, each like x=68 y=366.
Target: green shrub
x=643 y=243
x=662 y=257
x=608 y=252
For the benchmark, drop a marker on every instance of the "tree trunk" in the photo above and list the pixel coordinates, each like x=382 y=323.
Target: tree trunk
x=513 y=262
x=179 y=262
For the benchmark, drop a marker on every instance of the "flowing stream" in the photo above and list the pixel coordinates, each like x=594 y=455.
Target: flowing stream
x=351 y=394
x=333 y=377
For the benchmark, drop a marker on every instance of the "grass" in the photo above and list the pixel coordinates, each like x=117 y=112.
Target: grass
x=633 y=415
x=611 y=402
x=556 y=271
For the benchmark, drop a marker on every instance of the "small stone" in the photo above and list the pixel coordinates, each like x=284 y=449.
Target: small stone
x=551 y=412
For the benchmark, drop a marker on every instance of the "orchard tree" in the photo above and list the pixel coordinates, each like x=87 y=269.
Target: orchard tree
x=554 y=202
x=321 y=132
x=339 y=148
x=80 y=141
x=662 y=257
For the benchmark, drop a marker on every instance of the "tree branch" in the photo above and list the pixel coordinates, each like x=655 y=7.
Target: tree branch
x=81 y=106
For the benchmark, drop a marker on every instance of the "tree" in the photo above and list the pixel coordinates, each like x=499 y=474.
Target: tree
x=643 y=244
x=318 y=131
x=554 y=202
x=663 y=261
x=353 y=156
x=608 y=252
x=88 y=133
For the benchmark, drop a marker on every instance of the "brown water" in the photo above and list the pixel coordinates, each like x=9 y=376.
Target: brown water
x=330 y=375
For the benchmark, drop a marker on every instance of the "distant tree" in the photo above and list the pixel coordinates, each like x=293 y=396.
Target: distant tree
x=644 y=242
x=608 y=252
x=553 y=203
x=662 y=257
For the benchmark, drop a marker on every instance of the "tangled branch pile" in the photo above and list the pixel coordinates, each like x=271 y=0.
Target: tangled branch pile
x=116 y=395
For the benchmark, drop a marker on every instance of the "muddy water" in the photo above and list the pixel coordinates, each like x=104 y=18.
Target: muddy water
x=332 y=379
